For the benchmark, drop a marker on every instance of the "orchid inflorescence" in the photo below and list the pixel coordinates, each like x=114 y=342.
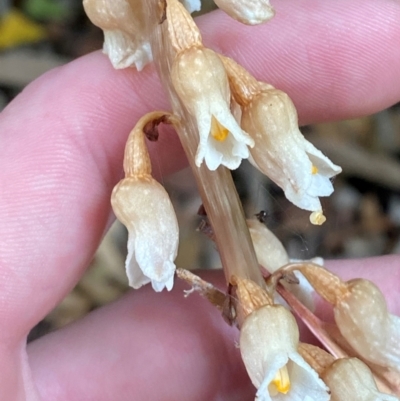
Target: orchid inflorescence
x=223 y=115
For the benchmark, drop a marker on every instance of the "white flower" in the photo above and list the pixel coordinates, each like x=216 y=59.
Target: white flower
x=200 y=80
x=144 y=207
x=268 y=343
x=283 y=154
x=125 y=39
x=122 y=21
x=351 y=379
x=250 y=12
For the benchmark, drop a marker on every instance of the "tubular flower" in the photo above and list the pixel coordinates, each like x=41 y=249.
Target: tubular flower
x=125 y=41
x=269 y=339
x=143 y=206
x=283 y=154
x=351 y=379
x=249 y=12
x=200 y=80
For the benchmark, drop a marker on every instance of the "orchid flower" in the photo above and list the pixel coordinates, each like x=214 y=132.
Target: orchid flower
x=283 y=154
x=144 y=207
x=268 y=343
x=199 y=78
x=125 y=39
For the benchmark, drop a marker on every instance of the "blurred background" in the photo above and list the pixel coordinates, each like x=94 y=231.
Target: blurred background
x=363 y=213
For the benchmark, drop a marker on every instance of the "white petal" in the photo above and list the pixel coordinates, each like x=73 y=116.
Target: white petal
x=304 y=382
x=270 y=369
x=203 y=118
x=303 y=200
x=303 y=291
x=320 y=186
x=192 y=5
x=123 y=52
x=224 y=116
x=165 y=283
x=135 y=275
x=223 y=152
x=324 y=164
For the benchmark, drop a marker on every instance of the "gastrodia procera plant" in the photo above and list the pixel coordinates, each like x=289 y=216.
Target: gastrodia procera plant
x=144 y=207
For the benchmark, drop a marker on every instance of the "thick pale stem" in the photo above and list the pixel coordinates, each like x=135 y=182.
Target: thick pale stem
x=216 y=188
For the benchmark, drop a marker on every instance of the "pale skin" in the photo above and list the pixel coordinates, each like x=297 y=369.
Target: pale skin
x=61 y=151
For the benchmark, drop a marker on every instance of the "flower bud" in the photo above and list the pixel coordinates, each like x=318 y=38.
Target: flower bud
x=363 y=319
x=122 y=21
x=143 y=206
x=361 y=315
x=351 y=379
x=269 y=250
x=272 y=256
x=269 y=339
x=249 y=12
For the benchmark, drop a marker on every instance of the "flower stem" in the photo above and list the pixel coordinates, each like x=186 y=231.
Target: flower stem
x=217 y=189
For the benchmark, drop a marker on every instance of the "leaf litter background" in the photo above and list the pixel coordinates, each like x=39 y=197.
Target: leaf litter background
x=363 y=213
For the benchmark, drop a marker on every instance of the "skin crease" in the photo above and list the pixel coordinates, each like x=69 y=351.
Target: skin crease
x=61 y=147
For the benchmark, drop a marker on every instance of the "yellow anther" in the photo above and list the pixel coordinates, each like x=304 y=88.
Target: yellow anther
x=314 y=169
x=218 y=131
x=317 y=218
x=280 y=383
